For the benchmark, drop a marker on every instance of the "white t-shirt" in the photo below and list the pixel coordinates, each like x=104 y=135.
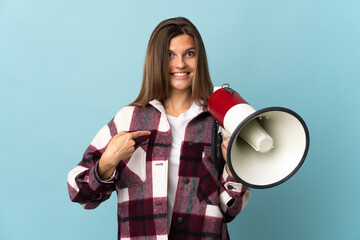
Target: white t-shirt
x=177 y=126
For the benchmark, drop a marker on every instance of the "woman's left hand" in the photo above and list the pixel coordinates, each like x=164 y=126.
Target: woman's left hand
x=224 y=146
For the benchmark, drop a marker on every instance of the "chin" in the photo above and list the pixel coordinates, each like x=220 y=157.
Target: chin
x=181 y=86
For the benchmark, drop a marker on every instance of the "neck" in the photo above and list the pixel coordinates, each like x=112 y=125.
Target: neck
x=178 y=103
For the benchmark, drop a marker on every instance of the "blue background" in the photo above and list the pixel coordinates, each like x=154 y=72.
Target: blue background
x=66 y=67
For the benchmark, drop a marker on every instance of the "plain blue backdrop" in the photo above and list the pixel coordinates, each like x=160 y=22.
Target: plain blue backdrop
x=66 y=67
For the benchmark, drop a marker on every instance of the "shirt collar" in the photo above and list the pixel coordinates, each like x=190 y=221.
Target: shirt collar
x=158 y=105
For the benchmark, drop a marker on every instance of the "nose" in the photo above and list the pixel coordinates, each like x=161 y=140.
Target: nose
x=180 y=63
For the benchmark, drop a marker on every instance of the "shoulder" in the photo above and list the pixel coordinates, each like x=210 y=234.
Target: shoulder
x=122 y=119
x=130 y=116
x=129 y=110
x=125 y=111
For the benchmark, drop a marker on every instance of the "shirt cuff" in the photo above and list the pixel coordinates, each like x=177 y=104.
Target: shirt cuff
x=230 y=183
x=109 y=180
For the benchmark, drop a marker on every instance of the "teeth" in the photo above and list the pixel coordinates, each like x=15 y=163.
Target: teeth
x=179 y=74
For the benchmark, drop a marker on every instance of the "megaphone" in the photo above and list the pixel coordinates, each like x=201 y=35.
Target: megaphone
x=267 y=146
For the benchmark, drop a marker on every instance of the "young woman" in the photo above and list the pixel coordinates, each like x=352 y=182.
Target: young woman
x=156 y=152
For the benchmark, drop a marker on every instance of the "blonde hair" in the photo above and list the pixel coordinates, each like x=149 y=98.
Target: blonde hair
x=156 y=79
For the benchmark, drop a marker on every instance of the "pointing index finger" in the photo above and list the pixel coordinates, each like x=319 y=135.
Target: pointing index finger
x=139 y=133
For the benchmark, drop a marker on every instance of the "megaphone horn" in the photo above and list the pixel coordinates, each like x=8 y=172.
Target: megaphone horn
x=267 y=146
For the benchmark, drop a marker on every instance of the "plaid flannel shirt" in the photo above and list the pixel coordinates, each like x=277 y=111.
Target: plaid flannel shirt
x=206 y=197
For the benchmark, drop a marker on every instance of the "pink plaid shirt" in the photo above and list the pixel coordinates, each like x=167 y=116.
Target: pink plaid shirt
x=206 y=197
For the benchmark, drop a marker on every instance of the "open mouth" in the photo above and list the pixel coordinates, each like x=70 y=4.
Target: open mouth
x=180 y=74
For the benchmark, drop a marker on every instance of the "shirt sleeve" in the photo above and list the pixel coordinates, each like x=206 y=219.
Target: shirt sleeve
x=84 y=184
x=233 y=196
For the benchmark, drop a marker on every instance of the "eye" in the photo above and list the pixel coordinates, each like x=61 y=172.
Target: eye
x=190 y=54
x=171 y=55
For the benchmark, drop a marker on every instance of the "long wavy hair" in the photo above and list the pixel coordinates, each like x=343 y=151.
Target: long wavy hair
x=156 y=77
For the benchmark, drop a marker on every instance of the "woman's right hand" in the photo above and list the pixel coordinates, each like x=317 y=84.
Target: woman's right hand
x=120 y=147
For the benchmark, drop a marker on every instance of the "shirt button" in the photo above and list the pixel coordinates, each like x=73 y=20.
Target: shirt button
x=180 y=220
x=186 y=180
x=191 y=143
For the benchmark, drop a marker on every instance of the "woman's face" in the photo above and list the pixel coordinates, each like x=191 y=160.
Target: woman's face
x=182 y=62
